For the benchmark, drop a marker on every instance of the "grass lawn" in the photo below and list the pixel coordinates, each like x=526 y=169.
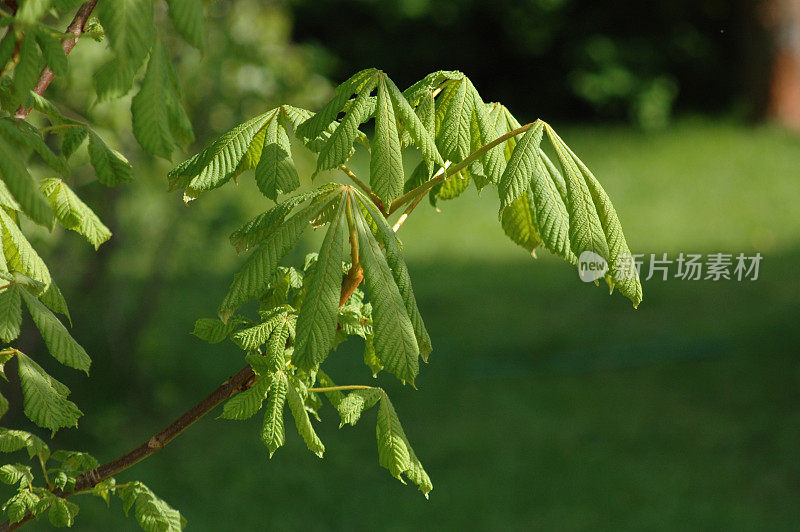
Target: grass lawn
x=547 y=404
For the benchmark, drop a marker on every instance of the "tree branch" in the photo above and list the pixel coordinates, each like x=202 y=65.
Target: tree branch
x=75 y=28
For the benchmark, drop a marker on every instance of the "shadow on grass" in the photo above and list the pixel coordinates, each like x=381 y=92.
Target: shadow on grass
x=546 y=404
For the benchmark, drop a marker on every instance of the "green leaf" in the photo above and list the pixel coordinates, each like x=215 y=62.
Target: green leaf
x=420 y=132
x=395 y=341
x=152 y=513
x=453 y=121
x=13 y=473
x=521 y=167
x=45 y=399
x=275 y=172
x=156 y=109
x=214 y=331
x=492 y=160
x=109 y=165
x=585 y=229
x=217 y=164
x=395 y=261
x=245 y=404
x=386 y=163
x=302 y=422
x=19 y=253
x=114 y=79
x=519 y=222
x=19 y=505
x=14 y=440
x=252 y=338
x=10 y=313
x=28 y=69
x=394 y=451
x=31 y=11
x=273 y=432
x=52 y=51
x=252 y=280
x=552 y=219
x=24 y=134
x=59 y=342
x=429 y=83
x=314 y=126
x=340 y=145
x=316 y=324
x=128 y=25
x=73 y=213
x=353 y=404
x=72 y=138
x=22 y=186
x=62 y=512
x=188 y=18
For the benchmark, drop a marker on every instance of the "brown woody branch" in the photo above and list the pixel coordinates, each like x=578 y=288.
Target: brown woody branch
x=75 y=28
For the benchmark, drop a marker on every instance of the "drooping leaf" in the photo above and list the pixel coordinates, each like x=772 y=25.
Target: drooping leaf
x=252 y=338
x=302 y=421
x=22 y=186
x=19 y=505
x=453 y=121
x=128 y=25
x=62 y=512
x=152 y=513
x=156 y=109
x=394 y=451
x=316 y=324
x=188 y=18
x=19 y=253
x=519 y=222
x=552 y=219
x=59 y=342
x=275 y=172
x=44 y=398
x=421 y=132
x=10 y=313
x=386 y=163
x=273 y=431
x=523 y=163
x=73 y=213
x=27 y=71
x=354 y=403
x=110 y=166
x=15 y=440
x=52 y=51
x=395 y=341
x=24 y=134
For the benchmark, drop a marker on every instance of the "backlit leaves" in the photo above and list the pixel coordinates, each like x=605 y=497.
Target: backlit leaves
x=44 y=398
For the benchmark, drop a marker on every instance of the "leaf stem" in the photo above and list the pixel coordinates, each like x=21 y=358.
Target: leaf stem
x=341 y=388
x=363 y=186
x=454 y=169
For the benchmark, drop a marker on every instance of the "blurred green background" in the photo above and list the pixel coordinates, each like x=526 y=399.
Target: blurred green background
x=547 y=404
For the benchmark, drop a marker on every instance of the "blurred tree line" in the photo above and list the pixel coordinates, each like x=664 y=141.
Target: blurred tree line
x=567 y=59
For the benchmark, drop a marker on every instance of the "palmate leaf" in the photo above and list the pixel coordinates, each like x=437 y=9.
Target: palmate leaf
x=394 y=260
x=188 y=18
x=44 y=398
x=395 y=342
x=394 y=450
x=159 y=120
x=273 y=431
x=252 y=280
x=252 y=338
x=74 y=214
x=15 y=440
x=59 y=342
x=302 y=421
x=22 y=187
x=19 y=505
x=316 y=323
x=152 y=513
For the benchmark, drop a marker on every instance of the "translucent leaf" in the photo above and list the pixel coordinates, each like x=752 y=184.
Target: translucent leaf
x=24 y=134
x=128 y=26
x=15 y=440
x=302 y=421
x=114 y=79
x=552 y=219
x=454 y=119
x=273 y=431
x=252 y=338
x=10 y=313
x=188 y=18
x=110 y=166
x=74 y=214
x=59 y=342
x=19 y=253
x=519 y=222
x=217 y=164
x=492 y=161
x=316 y=324
x=22 y=186
x=62 y=512
x=14 y=473
x=19 y=505
x=395 y=341
x=395 y=261
x=45 y=399
x=521 y=167
x=394 y=451
x=152 y=513
x=386 y=163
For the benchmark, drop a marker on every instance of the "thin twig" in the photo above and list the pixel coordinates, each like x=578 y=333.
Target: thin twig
x=75 y=28
x=341 y=388
x=454 y=169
